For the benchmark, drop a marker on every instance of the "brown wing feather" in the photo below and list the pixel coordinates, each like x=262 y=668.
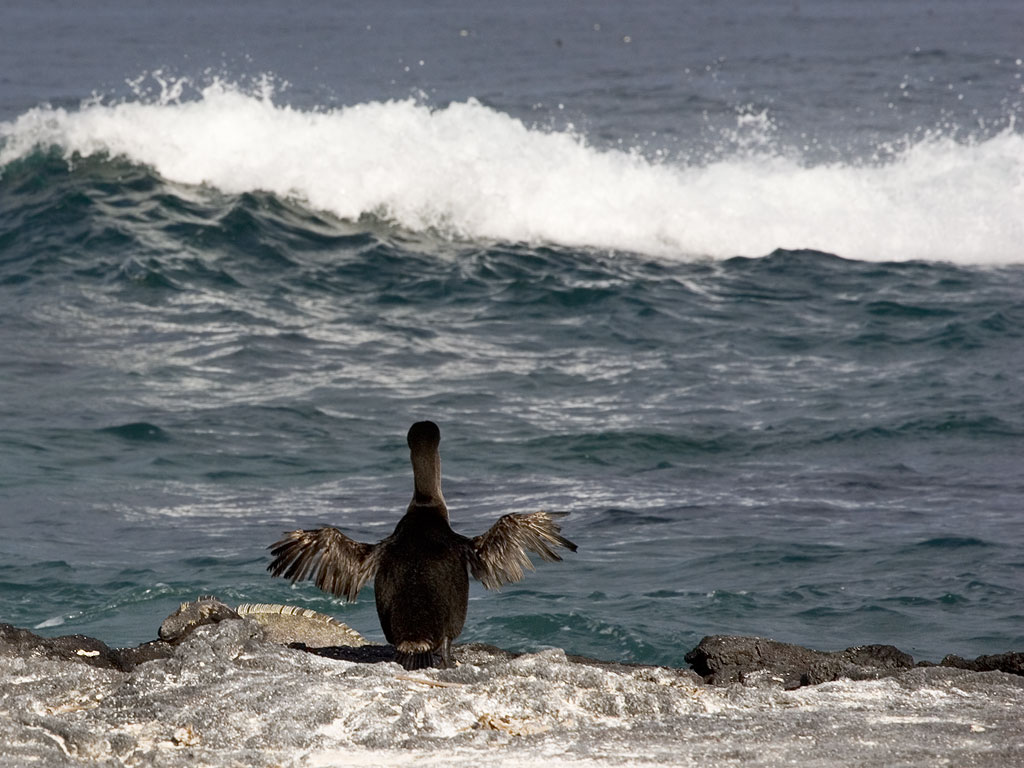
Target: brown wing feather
x=334 y=562
x=499 y=555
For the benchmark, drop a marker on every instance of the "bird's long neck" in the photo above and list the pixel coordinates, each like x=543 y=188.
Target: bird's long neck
x=426 y=472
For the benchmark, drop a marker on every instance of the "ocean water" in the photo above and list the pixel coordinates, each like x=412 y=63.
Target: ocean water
x=738 y=285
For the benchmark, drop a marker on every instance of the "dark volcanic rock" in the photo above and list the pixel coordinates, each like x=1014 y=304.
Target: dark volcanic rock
x=129 y=658
x=722 y=659
x=1012 y=663
x=21 y=643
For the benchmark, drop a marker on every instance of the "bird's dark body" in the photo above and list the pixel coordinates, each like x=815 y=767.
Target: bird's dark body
x=422 y=586
x=421 y=571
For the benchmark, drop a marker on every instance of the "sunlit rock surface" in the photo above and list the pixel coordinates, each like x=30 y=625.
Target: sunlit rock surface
x=226 y=696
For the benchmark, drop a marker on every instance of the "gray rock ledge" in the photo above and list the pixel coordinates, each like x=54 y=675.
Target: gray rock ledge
x=226 y=696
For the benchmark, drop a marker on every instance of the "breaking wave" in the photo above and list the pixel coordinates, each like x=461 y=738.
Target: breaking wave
x=470 y=172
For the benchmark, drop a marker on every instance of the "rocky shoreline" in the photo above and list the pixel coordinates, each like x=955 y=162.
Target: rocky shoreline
x=717 y=659
x=226 y=695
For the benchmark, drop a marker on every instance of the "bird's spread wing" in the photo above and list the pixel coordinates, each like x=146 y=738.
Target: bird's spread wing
x=336 y=563
x=499 y=555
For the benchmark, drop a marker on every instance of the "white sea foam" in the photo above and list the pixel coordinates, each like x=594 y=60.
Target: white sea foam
x=471 y=172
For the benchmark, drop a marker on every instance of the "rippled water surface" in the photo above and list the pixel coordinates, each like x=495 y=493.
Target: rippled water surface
x=756 y=327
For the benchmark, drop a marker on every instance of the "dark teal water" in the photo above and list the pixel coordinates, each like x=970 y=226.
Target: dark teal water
x=220 y=310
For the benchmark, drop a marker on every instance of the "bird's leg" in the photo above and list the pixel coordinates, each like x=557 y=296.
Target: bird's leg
x=447 y=662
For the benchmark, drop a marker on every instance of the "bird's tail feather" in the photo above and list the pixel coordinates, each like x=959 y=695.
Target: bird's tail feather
x=420 y=660
x=414 y=655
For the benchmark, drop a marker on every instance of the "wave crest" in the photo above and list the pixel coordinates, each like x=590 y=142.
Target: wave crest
x=471 y=172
